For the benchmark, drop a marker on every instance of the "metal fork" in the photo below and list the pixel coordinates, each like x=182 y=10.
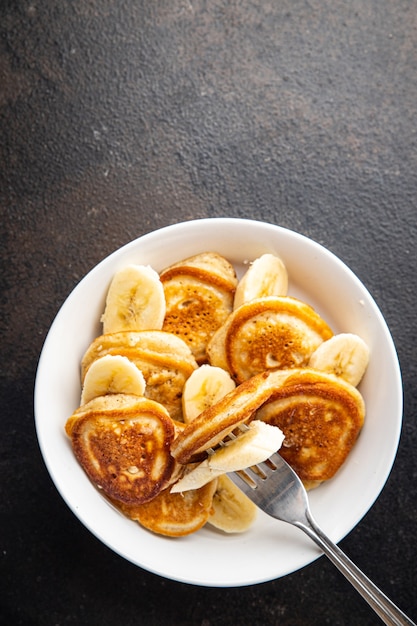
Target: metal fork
x=276 y=489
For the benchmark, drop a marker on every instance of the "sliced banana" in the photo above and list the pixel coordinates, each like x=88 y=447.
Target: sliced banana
x=112 y=374
x=249 y=448
x=196 y=477
x=345 y=355
x=206 y=386
x=135 y=300
x=232 y=511
x=266 y=276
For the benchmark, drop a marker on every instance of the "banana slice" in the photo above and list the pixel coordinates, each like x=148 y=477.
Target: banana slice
x=345 y=355
x=249 y=448
x=206 y=386
x=112 y=374
x=266 y=276
x=135 y=300
x=232 y=511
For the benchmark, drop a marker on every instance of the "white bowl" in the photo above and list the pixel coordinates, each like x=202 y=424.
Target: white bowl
x=270 y=549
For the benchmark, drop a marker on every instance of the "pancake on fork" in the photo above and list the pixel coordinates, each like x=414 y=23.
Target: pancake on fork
x=272 y=332
x=199 y=293
x=123 y=444
x=320 y=415
x=165 y=361
x=217 y=421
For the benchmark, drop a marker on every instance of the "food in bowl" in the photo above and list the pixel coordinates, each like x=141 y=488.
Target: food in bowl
x=255 y=346
x=208 y=557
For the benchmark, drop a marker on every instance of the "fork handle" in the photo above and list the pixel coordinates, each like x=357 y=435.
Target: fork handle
x=383 y=607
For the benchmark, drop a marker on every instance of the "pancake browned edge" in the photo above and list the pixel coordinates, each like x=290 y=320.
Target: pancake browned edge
x=267 y=333
x=320 y=415
x=199 y=293
x=165 y=361
x=173 y=514
x=123 y=444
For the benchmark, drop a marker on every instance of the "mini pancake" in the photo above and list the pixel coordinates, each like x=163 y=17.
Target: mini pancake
x=174 y=514
x=209 y=266
x=123 y=444
x=199 y=294
x=165 y=361
x=321 y=416
x=273 y=332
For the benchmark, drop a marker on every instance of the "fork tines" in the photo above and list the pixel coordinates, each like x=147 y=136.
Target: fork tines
x=250 y=474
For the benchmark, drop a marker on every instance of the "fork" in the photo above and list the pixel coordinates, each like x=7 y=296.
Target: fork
x=276 y=489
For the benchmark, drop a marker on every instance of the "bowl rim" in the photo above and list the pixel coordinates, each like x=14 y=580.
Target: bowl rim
x=176 y=230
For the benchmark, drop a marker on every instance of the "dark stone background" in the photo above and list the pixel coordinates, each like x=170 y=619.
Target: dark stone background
x=120 y=117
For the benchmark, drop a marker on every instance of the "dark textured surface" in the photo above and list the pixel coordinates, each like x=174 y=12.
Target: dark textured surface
x=116 y=118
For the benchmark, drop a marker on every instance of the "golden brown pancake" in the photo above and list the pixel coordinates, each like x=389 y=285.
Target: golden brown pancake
x=274 y=332
x=199 y=294
x=207 y=266
x=321 y=416
x=123 y=444
x=174 y=514
x=164 y=359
